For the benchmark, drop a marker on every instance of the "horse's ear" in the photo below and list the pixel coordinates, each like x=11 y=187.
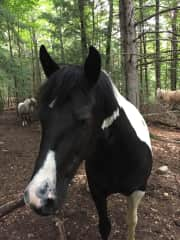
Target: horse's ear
x=48 y=64
x=92 y=66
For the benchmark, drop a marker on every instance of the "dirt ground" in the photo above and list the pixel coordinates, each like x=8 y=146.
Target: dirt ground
x=159 y=213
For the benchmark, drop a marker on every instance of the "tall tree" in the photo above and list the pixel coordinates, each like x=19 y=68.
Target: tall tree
x=92 y=6
x=59 y=9
x=9 y=32
x=36 y=59
x=34 y=85
x=109 y=34
x=157 y=61
x=129 y=50
x=83 y=28
x=143 y=54
x=174 y=48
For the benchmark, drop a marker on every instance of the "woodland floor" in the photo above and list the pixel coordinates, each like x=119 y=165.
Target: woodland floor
x=159 y=213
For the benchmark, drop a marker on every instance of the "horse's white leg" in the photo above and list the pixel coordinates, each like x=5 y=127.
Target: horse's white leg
x=23 y=121
x=133 y=202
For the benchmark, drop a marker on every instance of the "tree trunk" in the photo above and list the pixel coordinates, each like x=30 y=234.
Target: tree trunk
x=109 y=33
x=92 y=5
x=12 y=61
x=141 y=54
x=144 y=51
x=22 y=82
x=60 y=34
x=61 y=45
x=129 y=50
x=122 y=69
x=157 y=61
x=141 y=68
x=36 y=56
x=34 y=87
x=18 y=41
x=174 y=47
x=83 y=28
x=146 y=70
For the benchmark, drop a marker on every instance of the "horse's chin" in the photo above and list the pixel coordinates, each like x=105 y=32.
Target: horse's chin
x=44 y=212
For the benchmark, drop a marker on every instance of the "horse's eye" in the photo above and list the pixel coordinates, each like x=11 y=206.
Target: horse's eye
x=82 y=121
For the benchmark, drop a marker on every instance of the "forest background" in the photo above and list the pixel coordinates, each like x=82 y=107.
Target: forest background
x=139 y=43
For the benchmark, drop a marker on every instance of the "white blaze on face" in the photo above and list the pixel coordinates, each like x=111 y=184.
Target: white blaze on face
x=43 y=181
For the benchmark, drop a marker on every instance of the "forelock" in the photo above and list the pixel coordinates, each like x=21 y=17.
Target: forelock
x=60 y=84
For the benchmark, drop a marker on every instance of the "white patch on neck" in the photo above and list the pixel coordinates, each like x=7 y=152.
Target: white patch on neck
x=51 y=105
x=46 y=174
x=109 y=120
x=135 y=118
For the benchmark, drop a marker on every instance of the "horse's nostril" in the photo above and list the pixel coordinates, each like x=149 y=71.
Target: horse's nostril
x=49 y=203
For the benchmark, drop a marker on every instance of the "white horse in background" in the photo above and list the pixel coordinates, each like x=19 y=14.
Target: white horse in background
x=26 y=110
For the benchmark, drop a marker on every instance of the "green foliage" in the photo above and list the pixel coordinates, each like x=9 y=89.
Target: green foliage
x=25 y=25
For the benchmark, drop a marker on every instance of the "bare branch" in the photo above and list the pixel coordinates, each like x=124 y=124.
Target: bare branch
x=11 y=206
x=150 y=6
x=158 y=138
x=153 y=55
x=60 y=226
x=152 y=32
x=161 y=39
x=158 y=13
x=161 y=60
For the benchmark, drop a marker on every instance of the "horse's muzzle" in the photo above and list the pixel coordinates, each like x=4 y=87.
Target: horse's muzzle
x=44 y=207
x=43 y=204
x=48 y=208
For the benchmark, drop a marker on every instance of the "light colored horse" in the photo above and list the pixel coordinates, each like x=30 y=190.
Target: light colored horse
x=168 y=96
x=26 y=110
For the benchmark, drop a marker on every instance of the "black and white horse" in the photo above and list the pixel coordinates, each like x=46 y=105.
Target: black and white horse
x=83 y=116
